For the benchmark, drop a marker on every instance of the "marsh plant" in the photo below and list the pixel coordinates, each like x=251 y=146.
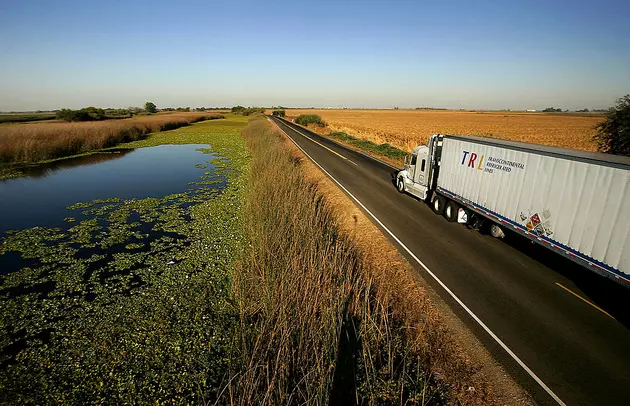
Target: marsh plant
x=22 y=143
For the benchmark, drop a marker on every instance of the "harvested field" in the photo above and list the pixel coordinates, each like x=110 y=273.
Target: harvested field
x=407 y=128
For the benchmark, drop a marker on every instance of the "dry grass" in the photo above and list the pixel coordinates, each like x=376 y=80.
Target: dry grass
x=35 y=142
x=326 y=318
x=405 y=129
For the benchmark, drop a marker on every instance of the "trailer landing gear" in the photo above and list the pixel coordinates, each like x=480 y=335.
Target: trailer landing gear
x=496 y=231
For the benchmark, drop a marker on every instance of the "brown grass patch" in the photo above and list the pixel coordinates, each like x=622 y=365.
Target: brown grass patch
x=405 y=129
x=35 y=142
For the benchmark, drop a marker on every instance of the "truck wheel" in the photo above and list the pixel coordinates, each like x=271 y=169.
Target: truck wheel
x=401 y=185
x=437 y=204
x=450 y=211
x=496 y=231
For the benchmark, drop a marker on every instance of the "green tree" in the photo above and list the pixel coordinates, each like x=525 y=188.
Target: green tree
x=85 y=114
x=150 y=107
x=613 y=134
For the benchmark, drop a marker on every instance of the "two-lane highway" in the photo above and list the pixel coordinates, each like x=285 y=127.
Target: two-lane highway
x=559 y=330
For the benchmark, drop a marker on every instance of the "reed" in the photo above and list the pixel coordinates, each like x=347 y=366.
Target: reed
x=34 y=142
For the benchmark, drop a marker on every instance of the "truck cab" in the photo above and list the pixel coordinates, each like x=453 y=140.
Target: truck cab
x=420 y=166
x=413 y=179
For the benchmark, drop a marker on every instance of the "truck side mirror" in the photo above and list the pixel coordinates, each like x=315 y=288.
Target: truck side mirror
x=406 y=160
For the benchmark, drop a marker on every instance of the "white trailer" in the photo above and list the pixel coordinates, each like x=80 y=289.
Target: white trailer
x=574 y=203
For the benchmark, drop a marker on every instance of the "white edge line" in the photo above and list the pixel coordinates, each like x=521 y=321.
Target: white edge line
x=322 y=145
x=346 y=147
x=473 y=315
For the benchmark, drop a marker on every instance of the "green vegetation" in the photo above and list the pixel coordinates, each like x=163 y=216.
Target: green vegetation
x=552 y=110
x=25 y=117
x=91 y=114
x=613 y=134
x=131 y=304
x=306 y=119
x=247 y=111
x=279 y=113
x=150 y=107
x=368 y=146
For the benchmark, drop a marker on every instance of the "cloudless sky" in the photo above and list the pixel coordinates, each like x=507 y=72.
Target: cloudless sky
x=454 y=54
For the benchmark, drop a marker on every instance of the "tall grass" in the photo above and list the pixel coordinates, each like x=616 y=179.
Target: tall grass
x=317 y=325
x=43 y=141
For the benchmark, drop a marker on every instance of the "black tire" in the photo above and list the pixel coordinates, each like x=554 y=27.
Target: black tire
x=400 y=185
x=437 y=204
x=450 y=211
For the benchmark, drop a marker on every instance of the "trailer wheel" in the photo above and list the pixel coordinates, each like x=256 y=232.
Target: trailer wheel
x=437 y=204
x=401 y=185
x=450 y=211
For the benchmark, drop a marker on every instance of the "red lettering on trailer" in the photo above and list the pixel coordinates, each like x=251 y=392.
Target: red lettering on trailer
x=471 y=162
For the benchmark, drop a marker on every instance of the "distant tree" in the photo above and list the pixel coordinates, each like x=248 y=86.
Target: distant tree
x=582 y=111
x=150 y=107
x=252 y=110
x=238 y=109
x=613 y=134
x=552 y=110
x=85 y=114
x=279 y=113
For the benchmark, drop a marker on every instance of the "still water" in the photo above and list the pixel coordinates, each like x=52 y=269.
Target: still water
x=41 y=198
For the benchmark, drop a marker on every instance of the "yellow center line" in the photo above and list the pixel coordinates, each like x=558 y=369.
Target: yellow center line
x=586 y=301
x=322 y=145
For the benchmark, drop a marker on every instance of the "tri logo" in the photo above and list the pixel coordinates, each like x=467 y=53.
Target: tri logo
x=472 y=158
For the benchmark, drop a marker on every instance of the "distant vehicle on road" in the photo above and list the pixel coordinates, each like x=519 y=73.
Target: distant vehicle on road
x=574 y=203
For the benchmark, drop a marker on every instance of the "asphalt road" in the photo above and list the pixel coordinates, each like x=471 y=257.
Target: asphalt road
x=569 y=326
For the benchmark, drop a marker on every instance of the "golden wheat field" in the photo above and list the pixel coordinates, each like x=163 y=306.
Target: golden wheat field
x=407 y=128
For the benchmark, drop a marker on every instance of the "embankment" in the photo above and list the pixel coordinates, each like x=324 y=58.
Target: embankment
x=329 y=311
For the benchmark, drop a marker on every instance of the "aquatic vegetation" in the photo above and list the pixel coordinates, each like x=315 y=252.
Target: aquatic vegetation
x=129 y=303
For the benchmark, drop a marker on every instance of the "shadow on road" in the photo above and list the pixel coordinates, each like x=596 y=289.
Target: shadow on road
x=605 y=293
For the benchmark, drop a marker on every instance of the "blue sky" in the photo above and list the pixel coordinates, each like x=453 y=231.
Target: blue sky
x=454 y=54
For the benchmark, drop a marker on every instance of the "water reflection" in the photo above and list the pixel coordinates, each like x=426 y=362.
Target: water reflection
x=42 y=198
x=41 y=170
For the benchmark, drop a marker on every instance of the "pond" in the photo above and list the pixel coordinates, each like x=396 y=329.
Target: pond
x=41 y=198
x=116 y=268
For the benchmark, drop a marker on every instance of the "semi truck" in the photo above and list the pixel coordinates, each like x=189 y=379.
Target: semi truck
x=574 y=203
